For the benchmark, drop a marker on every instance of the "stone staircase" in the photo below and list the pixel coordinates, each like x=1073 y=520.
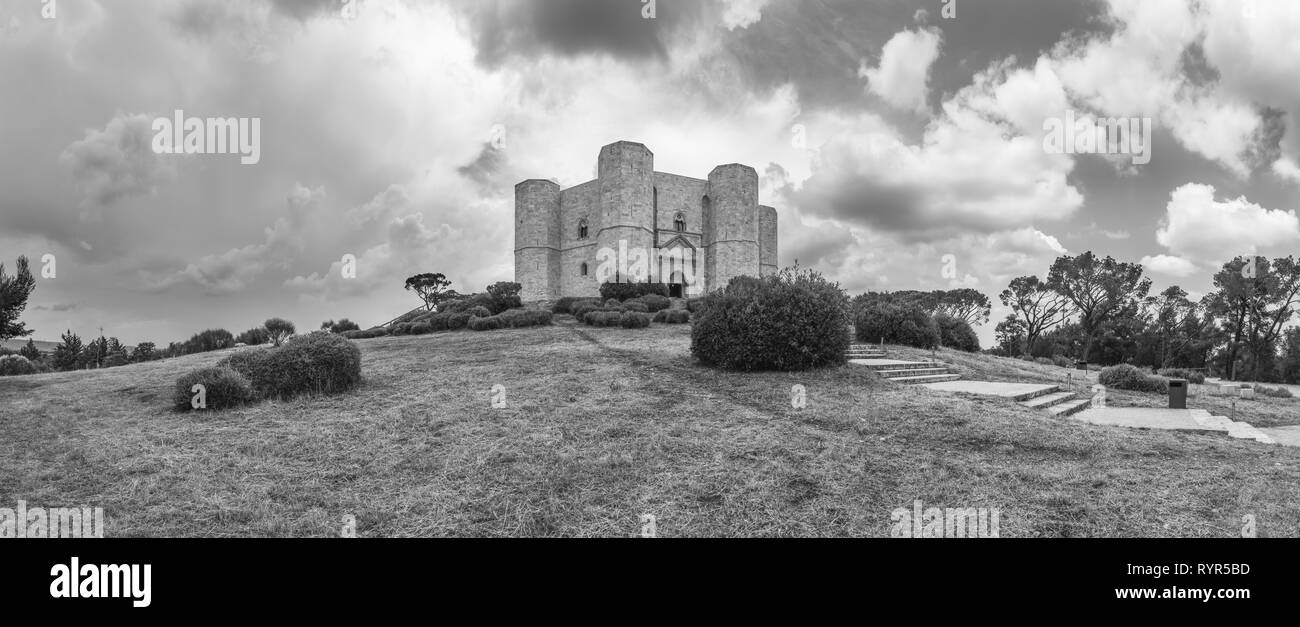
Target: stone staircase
x=909 y=371
x=1054 y=401
x=865 y=351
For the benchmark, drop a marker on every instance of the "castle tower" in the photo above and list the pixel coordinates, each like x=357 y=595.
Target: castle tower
x=732 y=239
x=626 y=174
x=766 y=240
x=537 y=239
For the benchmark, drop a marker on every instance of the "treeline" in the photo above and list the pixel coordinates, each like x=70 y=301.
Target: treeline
x=922 y=319
x=1101 y=311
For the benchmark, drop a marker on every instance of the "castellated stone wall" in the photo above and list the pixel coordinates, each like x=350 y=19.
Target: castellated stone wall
x=733 y=242
x=537 y=239
x=630 y=204
x=767 y=240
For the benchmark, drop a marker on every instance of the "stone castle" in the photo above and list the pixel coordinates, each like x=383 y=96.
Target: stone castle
x=632 y=224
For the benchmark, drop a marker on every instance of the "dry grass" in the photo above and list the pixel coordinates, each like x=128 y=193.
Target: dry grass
x=601 y=426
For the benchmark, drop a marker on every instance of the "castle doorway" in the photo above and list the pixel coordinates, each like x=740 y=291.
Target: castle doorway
x=675 y=287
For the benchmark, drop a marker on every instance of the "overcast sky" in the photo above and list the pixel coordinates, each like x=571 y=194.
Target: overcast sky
x=886 y=135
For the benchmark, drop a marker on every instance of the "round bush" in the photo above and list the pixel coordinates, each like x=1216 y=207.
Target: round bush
x=1127 y=377
x=1193 y=376
x=612 y=303
x=458 y=320
x=223 y=388
x=896 y=323
x=488 y=323
x=693 y=305
x=793 y=320
x=479 y=312
x=421 y=328
x=957 y=333
x=12 y=365
x=634 y=320
x=673 y=316
x=636 y=305
x=656 y=303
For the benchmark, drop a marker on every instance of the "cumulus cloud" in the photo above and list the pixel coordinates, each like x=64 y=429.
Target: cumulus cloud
x=116 y=162
x=903 y=77
x=742 y=13
x=1200 y=229
x=1170 y=265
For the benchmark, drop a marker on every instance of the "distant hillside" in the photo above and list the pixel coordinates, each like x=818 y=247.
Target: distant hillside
x=17 y=343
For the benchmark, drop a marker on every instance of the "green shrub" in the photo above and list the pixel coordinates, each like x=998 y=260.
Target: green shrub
x=673 y=316
x=321 y=363
x=655 y=303
x=957 y=333
x=1193 y=376
x=581 y=309
x=486 y=323
x=223 y=388
x=612 y=303
x=1062 y=361
x=565 y=304
x=12 y=365
x=457 y=321
x=603 y=318
x=625 y=291
x=1277 y=392
x=479 y=312
x=896 y=323
x=421 y=328
x=634 y=320
x=1127 y=377
x=636 y=306
x=792 y=320
x=401 y=328
x=519 y=318
x=694 y=305
x=255 y=365
x=1046 y=361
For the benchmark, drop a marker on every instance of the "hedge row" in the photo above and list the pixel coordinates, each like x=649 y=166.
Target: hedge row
x=626 y=291
x=1128 y=377
x=673 y=316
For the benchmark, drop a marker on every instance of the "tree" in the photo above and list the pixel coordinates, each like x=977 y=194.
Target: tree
x=68 y=351
x=1099 y=289
x=340 y=326
x=1271 y=312
x=279 y=329
x=254 y=337
x=14 y=291
x=1010 y=336
x=30 y=351
x=1290 y=366
x=1034 y=305
x=144 y=351
x=432 y=288
x=1172 y=312
x=968 y=305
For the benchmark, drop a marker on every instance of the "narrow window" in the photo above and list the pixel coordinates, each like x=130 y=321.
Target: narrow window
x=584 y=268
x=679 y=222
x=582 y=229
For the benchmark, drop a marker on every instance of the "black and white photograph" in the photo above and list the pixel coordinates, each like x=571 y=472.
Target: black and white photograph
x=971 y=271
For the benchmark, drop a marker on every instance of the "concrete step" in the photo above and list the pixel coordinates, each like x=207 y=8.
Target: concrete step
x=911 y=372
x=933 y=378
x=1069 y=407
x=904 y=365
x=1047 y=400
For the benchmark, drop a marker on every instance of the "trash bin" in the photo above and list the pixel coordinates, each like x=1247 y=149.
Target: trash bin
x=1178 y=394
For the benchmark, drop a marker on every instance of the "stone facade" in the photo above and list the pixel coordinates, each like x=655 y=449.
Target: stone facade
x=634 y=224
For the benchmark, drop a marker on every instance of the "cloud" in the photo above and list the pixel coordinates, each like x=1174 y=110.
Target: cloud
x=116 y=162
x=1202 y=230
x=1170 y=265
x=236 y=269
x=742 y=13
x=56 y=307
x=903 y=77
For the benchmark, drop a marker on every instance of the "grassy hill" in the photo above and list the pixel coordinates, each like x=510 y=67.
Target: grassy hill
x=600 y=427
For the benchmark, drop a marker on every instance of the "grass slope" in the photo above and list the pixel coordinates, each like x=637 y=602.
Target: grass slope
x=601 y=426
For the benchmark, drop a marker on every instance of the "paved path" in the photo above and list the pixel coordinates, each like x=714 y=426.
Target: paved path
x=1018 y=391
x=1182 y=419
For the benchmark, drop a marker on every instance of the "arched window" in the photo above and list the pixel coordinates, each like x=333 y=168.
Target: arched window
x=679 y=222
x=582 y=229
x=584 y=268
